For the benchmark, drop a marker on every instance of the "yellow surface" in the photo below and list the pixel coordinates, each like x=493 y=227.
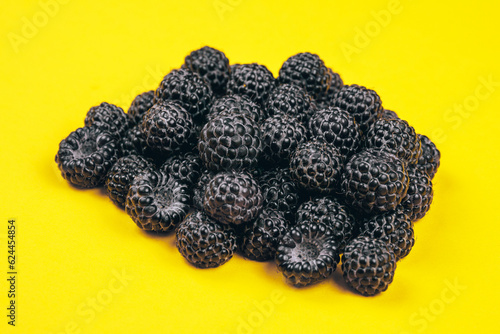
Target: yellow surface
x=84 y=267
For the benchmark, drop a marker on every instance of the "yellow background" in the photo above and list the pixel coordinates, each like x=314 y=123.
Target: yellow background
x=427 y=60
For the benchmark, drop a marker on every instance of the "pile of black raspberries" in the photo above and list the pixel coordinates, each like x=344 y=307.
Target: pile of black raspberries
x=298 y=169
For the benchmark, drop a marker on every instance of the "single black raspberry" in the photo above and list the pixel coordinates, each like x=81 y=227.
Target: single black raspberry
x=252 y=80
x=328 y=211
x=280 y=192
x=394 y=228
x=140 y=105
x=307 y=254
x=86 y=155
x=336 y=83
x=419 y=197
x=186 y=167
x=122 y=174
x=291 y=100
x=368 y=265
x=108 y=117
x=189 y=90
x=395 y=136
x=233 y=198
x=261 y=237
x=230 y=143
x=429 y=160
x=167 y=128
x=236 y=104
x=212 y=65
x=281 y=135
x=200 y=187
x=362 y=103
x=337 y=127
x=374 y=181
x=317 y=167
x=157 y=201
x=203 y=242
x=308 y=71
x=389 y=114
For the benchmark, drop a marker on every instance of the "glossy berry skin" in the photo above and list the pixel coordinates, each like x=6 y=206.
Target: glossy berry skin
x=212 y=65
x=308 y=71
x=368 y=265
x=122 y=174
x=253 y=80
x=281 y=135
x=328 y=211
x=419 y=197
x=317 y=167
x=203 y=242
x=233 y=198
x=230 y=143
x=108 y=117
x=157 y=201
x=307 y=254
x=280 y=192
x=261 y=237
x=336 y=83
x=394 y=228
x=389 y=114
x=186 y=167
x=236 y=104
x=86 y=155
x=337 y=127
x=133 y=143
x=187 y=89
x=362 y=103
x=374 y=181
x=395 y=136
x=140 y=105
x=292 y=100
x=429 y=160
x=167 y=128
x=200 y=187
